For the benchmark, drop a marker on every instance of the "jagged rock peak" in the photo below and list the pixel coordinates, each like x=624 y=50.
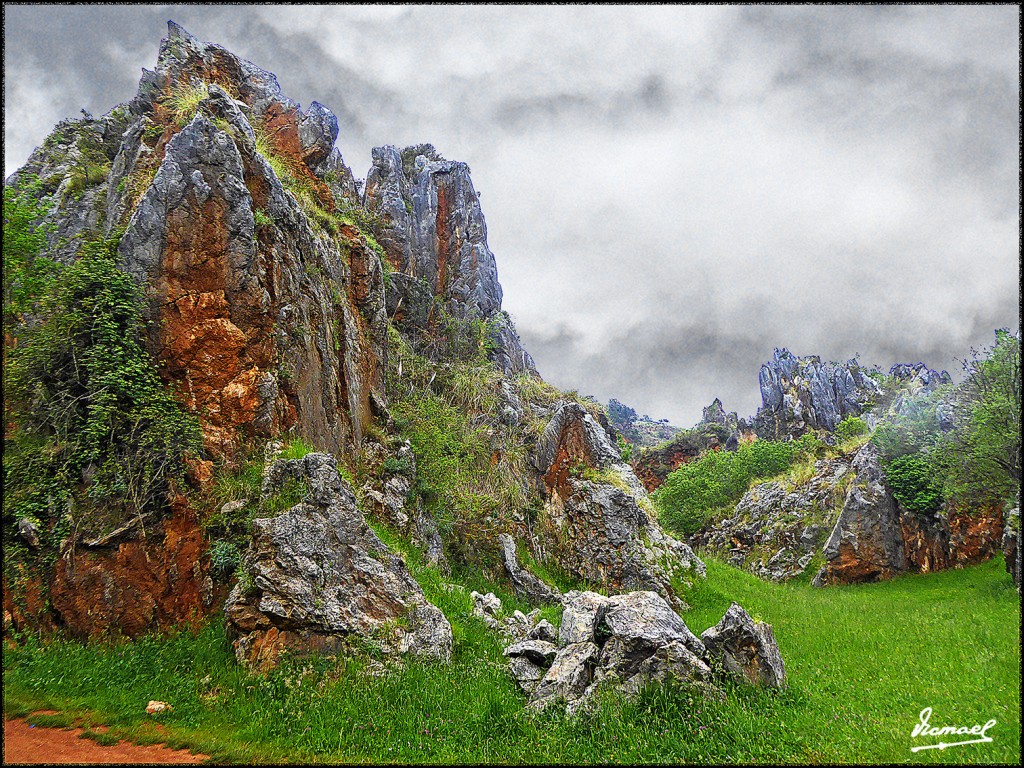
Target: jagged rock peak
x=919 y=377
x=801 y=393
x=436 y=239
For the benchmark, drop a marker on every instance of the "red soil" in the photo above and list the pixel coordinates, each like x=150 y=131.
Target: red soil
x=24 y=743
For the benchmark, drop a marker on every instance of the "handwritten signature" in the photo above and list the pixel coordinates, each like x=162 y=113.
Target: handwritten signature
x=924 y=729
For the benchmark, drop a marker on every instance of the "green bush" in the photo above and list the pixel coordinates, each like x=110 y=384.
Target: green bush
x=224 y=558
x=851 y=427
x=26 y=270
x=720 y=478
x=913 y=483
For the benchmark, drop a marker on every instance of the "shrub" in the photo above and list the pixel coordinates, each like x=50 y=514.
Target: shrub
x=224 y=558
x=92 y=418
x=851 y=427
x=26 y=270
x=720 y=478
x=912 y=479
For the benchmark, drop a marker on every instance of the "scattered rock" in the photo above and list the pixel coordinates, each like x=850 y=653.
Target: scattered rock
x=157 y=707
x=568 y=677
x=745 y=649
x=29 y=532
x=623 y=641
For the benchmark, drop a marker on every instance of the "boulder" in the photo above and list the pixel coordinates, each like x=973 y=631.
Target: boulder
x=745 y=649
x=580 y=615
x=539 y=652
x=318 y=574
x=568 y=677
x=624 y=641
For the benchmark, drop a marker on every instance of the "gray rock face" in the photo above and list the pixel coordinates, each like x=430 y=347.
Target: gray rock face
x=319 y=575
x=603 y=530
x=745 y=649
x=801 y=393
x=624 y=641
x=436 y=234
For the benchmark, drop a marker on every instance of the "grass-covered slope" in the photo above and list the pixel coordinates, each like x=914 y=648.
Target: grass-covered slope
x=863 y=661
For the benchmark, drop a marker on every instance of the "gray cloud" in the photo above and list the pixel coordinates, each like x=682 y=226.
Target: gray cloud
x=670 y=191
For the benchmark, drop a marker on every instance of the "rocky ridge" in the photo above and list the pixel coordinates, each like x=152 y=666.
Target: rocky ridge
x=275 y=292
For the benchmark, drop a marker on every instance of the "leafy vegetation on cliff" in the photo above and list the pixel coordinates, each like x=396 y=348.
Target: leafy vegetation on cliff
x=92 y=428
x=694 y=492
x=857 y=686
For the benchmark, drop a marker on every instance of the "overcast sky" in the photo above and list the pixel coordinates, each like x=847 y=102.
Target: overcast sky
x=670 y=192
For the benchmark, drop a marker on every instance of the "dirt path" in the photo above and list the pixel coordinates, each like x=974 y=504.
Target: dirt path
x=24 y=743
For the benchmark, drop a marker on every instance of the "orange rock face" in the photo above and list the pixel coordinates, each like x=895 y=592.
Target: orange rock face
x=143 y=583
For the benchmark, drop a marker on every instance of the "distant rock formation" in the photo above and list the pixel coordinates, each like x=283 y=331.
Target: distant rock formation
x=845 y=521
x=802 y=393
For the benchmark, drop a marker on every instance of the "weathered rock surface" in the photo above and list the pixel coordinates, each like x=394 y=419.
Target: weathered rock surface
x=801 y=393
x=776 y=530
x=601 y=530
x=745 y=649
x=320 y=575
x=436 y=238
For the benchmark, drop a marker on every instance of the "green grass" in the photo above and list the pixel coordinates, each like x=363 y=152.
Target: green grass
x=863 y=661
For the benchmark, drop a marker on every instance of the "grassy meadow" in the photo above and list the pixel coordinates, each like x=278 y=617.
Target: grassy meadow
x=862 y=661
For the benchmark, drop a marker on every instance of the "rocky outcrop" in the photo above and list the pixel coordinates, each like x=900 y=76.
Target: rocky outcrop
x=745 y=648
x=802 y=393
x=845 y=521
x=918 y=378
x=317 y=576
x=776 y=530
x=876 y=538
x=598 y=524
x=436 y=240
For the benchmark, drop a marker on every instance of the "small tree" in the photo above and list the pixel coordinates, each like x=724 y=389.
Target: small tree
x=981 y=456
